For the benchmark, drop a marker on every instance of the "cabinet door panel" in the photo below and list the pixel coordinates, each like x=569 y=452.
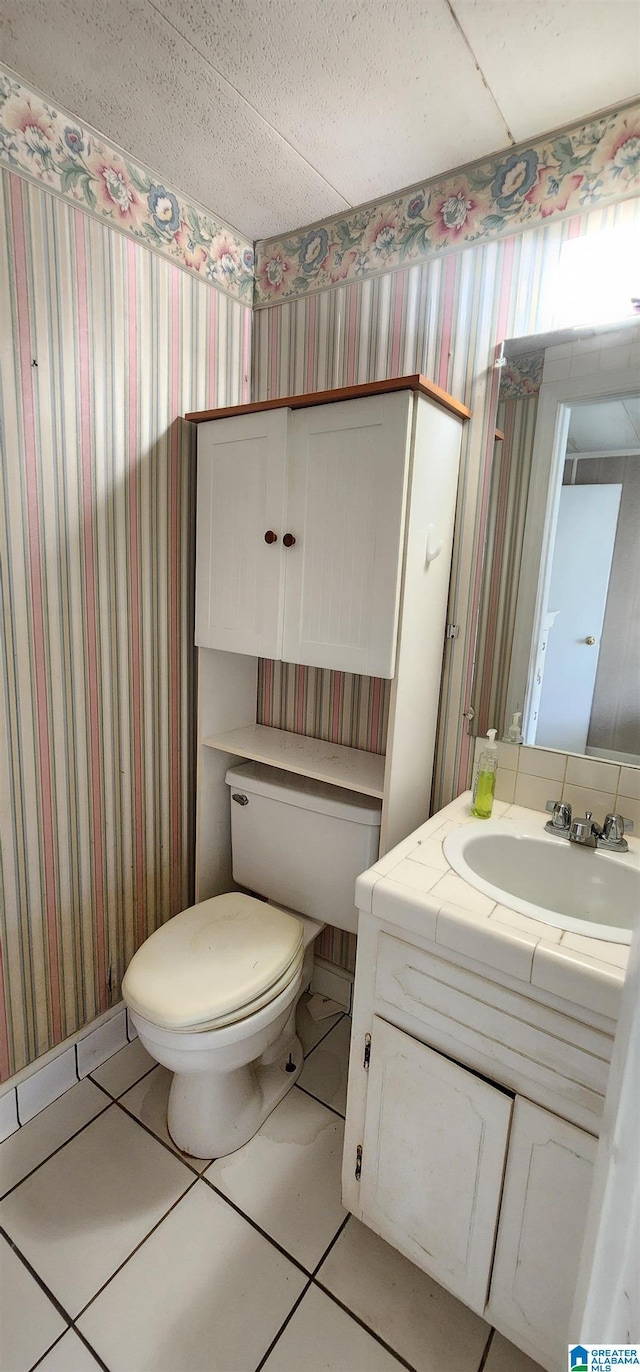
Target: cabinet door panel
x=241 y=495
x=547 y=1186
x=434 y=1146
x=346 y=511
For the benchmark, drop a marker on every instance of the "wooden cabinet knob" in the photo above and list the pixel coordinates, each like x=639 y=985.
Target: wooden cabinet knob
x=270 y=537
x=288 y=540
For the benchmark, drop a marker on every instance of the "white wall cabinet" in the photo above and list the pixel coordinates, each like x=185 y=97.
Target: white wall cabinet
x=324 y=537
x=300 y=533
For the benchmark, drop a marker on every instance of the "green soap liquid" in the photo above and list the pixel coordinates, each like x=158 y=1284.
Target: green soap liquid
x=483 y=802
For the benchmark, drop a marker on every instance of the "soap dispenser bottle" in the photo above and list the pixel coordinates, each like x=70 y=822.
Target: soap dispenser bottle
x=485 y=782
x=513 y=734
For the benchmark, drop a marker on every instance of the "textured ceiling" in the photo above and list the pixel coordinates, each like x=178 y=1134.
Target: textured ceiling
x=275 y=113
x=603 y=427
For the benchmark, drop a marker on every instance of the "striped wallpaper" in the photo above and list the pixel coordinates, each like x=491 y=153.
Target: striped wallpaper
x=444 y=318
x=339 y=707
x=507 y=510
x=109 y=345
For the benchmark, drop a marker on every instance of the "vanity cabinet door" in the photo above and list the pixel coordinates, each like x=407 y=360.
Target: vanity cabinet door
x=347 y=497
x=434 y=1146
x=546 y=1193
x=242 y=478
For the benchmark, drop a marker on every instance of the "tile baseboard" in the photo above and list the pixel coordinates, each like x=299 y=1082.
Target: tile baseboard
x=330 y=980
x=49 y=1076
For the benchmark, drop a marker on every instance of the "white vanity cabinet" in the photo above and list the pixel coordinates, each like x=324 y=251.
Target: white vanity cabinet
x=464 y=1145
x=434 y=1144
x=540 y=1232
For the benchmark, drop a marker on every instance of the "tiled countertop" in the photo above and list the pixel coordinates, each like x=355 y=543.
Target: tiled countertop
x=415 y=886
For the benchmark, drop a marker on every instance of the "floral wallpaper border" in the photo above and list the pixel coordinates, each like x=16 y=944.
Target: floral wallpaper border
x=522 y=375
x=566 y=173
x=44 y=143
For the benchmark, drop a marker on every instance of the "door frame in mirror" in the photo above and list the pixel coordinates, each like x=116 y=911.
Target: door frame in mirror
x=549 y=452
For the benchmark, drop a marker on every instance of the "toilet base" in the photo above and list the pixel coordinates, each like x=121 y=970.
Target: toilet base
x=212 y=1114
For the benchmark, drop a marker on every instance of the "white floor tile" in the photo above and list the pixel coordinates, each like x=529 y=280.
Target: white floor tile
x=505 y=1357
x=124 y=1068
x=30 y=1323
x=206 y=1291
x=310 y=1030
x=148 y=1102
x=326 y=1070
x=287 y=1178
x=81 y=1214
x=70 y=1354
x=415 y=1316
x=321 y=1337
x=47 y=1131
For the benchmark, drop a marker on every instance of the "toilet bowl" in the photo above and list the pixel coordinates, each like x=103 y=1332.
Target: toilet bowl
x=213 y=992
x=236 y=966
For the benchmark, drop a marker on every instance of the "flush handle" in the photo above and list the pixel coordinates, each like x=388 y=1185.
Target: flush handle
x=240 y=799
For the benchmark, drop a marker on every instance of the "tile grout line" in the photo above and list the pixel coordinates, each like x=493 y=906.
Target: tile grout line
x=296 y=1304
x=37 y=1278
x=344 y=1015
x=126 y=1088
x=319 y=1100
x=487 y=1349
x=367 y=1328
x=133 y=1252
x=254 y=1225
x=52 y=1154
x=79 y=1335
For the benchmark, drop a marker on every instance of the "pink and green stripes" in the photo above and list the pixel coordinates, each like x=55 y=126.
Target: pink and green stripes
x=108 y=346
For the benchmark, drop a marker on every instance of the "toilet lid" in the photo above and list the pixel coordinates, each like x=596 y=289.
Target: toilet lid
x=210 y=961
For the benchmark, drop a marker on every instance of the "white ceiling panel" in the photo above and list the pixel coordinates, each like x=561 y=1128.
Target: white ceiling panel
x=275 y=113
x=374 y=95
x=123 y=69
x=549 y=62
x=610 y=425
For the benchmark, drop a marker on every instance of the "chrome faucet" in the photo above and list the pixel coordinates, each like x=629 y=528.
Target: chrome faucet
x=585 y=831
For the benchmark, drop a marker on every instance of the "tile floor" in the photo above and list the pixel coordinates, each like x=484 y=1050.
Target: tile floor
x=119 y=1252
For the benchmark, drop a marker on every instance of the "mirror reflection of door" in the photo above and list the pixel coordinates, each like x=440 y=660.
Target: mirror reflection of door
x=586 y=695
x=578 y=589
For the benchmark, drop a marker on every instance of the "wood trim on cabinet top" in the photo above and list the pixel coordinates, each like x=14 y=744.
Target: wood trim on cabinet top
x=299 y=402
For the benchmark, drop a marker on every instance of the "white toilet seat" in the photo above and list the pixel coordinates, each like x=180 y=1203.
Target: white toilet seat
x=214 y=964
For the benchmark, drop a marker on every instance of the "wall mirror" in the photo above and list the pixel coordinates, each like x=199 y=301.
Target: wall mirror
x=559 y=625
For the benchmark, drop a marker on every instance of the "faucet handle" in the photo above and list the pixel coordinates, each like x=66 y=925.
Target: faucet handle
x=615 y=826
x=560 y=815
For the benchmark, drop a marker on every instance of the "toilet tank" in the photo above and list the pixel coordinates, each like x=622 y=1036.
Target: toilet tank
x=301 y=842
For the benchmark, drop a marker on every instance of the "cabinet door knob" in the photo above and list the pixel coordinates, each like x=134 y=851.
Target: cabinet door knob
x=270 y=537
x=288 y=540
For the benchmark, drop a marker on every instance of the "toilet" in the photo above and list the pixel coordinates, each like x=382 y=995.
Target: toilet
x=213 y=992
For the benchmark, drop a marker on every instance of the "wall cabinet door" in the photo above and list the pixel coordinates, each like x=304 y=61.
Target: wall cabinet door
x=547 y=1186
x=242 y=475
x=347 y=495
x=434 y=1146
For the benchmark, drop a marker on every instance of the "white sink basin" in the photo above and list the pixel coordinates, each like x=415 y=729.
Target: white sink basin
x=584 y=890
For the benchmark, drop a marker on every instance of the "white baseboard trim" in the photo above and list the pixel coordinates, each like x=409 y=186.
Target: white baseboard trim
x=335 y=982
x=43 y=1081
